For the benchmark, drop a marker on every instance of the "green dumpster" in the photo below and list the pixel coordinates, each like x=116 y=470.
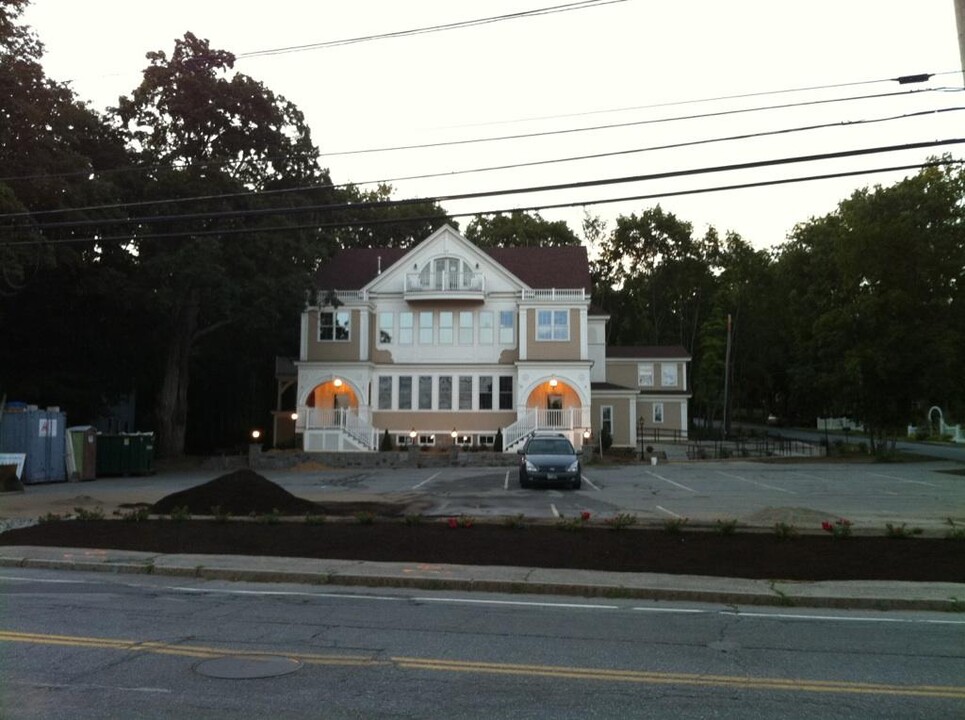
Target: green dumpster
x=125 y=454
x=141 y=454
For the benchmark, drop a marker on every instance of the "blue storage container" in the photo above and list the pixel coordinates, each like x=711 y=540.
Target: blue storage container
x=42 y=436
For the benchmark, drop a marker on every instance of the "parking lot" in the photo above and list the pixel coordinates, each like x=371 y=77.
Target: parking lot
x=756 y=494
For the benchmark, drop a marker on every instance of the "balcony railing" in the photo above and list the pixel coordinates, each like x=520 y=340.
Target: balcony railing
x=459 y=284
x=554 y=294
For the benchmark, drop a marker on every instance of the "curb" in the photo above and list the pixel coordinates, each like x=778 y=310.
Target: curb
x=506 y=580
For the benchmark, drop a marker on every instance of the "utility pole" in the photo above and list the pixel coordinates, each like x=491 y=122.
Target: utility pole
x=960 y=22
x=727 y=382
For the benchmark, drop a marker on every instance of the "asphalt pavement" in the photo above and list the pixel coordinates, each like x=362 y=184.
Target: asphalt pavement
x=19 y=508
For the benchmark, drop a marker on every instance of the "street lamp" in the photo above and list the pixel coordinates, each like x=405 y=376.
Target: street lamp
x=256 y=435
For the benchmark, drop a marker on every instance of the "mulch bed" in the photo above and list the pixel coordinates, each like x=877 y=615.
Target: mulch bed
x=745 y=555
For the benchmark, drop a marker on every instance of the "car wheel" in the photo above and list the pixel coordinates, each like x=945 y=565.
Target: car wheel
x=523 y=482
x=577 y=484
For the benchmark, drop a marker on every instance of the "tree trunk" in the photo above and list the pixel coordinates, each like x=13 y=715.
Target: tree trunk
x=171 y=412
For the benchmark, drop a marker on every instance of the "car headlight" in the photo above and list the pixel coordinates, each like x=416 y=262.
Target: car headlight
x=574 y=466
x=530 y=467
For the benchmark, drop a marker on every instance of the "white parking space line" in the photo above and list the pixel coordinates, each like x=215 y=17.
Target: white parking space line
x=677 y=484
x=809 y=475
x=524 y=603
x=902 y=480
x=754 y=482
x=506 y=481
x=590 y=483
x=669 y=512
x=428 y=479
x=556 y=513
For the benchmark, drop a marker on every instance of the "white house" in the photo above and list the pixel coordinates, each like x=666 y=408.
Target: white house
x=447 y=339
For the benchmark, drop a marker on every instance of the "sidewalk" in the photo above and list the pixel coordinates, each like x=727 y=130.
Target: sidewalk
x=868 y=595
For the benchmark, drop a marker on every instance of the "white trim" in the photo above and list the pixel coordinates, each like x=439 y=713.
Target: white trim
x=584 y=335
x=522 y=331
x=303 y=343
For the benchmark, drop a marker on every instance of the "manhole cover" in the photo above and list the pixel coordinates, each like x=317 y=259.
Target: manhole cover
x=247 y=667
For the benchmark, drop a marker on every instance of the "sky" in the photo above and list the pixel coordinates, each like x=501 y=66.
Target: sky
x=639 y=64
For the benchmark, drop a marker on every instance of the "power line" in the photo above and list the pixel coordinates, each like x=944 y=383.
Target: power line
x=535 y=163
x=551 y=10
x=468 y=141
x=633 y=123
x=532 y=208
x=257 y=212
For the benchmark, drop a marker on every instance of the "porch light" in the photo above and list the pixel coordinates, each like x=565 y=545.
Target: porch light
x=554 y=382
x=337 y=382
x=586 y=434
x=255 y=434
x=454 y=434
x=294 y=417
x=412 y=433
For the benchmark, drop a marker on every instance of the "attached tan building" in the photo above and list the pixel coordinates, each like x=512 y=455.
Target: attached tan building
x=448 y=342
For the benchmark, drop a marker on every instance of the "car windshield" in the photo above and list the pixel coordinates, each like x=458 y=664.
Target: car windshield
x=549 y=447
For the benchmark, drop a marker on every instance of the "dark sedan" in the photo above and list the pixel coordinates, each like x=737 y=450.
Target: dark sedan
x=549 y=460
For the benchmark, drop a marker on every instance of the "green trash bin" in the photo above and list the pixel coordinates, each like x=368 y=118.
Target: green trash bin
x=111 y=453
x=140 y=453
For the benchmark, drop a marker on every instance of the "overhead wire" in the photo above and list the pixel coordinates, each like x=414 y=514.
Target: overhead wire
x=359 y=223
x=491 y=168
x=518 y=136
x=551 y=10
x=256 y=212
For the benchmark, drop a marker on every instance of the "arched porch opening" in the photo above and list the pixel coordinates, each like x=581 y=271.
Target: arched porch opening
x=331 y=404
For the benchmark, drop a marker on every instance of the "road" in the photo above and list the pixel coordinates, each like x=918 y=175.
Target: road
x=99 y=646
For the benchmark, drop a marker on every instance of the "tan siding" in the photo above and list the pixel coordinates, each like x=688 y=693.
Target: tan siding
x=320 y=351
x=622 y=373
x=543 y=350
x=509 y=357
x=671 y=415
x=621 y=419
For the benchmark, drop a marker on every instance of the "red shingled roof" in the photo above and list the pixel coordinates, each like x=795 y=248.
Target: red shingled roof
x=538 y=267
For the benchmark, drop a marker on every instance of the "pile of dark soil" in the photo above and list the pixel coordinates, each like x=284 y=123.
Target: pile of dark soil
x=746 y=555
x=241 y=492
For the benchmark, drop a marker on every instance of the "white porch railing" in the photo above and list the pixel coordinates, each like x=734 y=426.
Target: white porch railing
x=346 y=419
x=536 y=419
x=554 y=294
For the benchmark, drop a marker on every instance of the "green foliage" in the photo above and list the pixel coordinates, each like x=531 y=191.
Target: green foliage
x=220 y=514
x=901 y=532
x=516 y=522
x=50 y=517
x=726 y=527
x=674 y=526
x=311 y=519
x=89 y=514
x=498 y=442
x=180 y=513
x=271 y=518
x=620 y=521
x=413 y=520
x=386 y=444
x=138 y=514
x=955 y=531
x=365 y=518
x=784 y=531
x=606 y=439
x=519 y=229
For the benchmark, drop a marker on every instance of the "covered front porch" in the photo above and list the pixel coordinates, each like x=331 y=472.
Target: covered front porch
x=331 y=419
x=552 y=404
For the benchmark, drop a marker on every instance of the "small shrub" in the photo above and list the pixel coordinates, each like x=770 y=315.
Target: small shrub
x=570 y=524
x=220 y=515
x=365 y=518
x=50 y=517
x=514 y=521
x=412 y=520
x=138 y=514
x=180 y=513
x=461 y=521
x=93 y=514
x=725 y=527
x=272 y=518
x=840 y=528
x=900 y=532
x=314 y=519
x=955 y=532
x=674 y=526
x=784 y=531
x=620 y=521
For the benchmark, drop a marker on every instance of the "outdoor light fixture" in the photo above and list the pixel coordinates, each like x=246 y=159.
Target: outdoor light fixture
x=454 y=434
x=337 y=382
x=294 y=416
x=586 y=434
x=255 y=434
x=554 y=382
x=412 y=433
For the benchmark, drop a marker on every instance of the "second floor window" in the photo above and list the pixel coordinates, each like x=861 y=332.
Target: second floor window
x=553 y=325
x=465 y=328
x=425 y=328
x=485 y=328
x=405 y=328
x=445 y=328
x=386 y=327
x=645 y=374
x=506 y=327
x=334 y=325
x=668 y=375
x=485 y=392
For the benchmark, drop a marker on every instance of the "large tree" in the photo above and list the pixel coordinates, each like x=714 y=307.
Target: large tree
x=877 y=290
x=229 y=258
x=519 y=229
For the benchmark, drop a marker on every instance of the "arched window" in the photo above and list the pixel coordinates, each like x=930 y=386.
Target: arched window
x=446 y=273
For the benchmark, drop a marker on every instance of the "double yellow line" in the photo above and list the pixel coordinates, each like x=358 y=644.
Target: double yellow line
x=550 y=671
